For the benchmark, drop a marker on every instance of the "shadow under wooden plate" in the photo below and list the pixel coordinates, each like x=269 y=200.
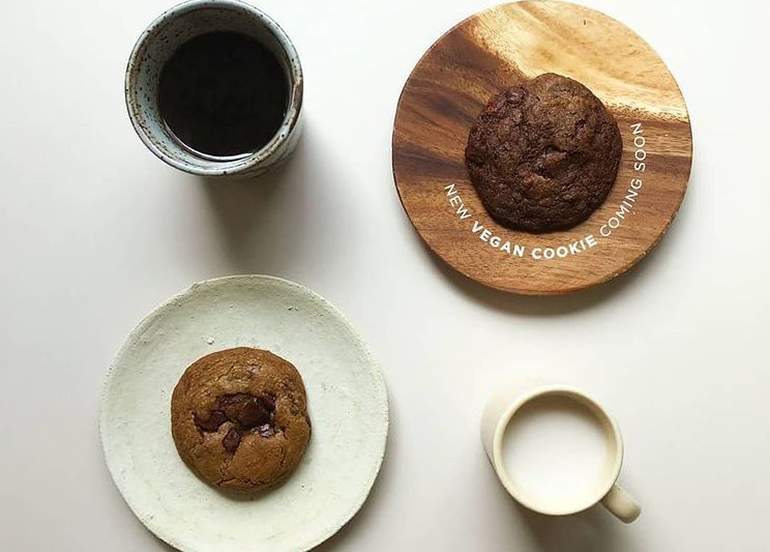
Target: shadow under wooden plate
x=496 y=49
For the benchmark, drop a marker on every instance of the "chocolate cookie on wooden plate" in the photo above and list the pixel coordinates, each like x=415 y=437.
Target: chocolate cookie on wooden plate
x=239 y=418
x=543 y=155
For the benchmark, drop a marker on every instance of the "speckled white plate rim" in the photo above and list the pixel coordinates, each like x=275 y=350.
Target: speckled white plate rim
x=147 y=520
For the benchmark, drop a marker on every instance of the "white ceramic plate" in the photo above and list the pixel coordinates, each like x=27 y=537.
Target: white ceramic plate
x=347 y=402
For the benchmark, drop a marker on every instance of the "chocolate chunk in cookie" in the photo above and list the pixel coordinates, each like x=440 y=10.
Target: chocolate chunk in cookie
x=231 y=440
x=245 y=412
x=543 y=155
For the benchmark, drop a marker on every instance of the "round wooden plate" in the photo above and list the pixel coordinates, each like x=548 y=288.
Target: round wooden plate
x=499 y=48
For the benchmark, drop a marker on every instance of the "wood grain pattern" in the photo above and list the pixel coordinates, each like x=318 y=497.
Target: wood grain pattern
x=496 y=49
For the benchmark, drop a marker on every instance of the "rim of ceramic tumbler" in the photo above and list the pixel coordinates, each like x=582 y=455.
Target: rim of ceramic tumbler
x=579 y=396
x=243 y=163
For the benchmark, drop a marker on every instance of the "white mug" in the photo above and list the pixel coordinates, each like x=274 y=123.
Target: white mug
x=501 y=410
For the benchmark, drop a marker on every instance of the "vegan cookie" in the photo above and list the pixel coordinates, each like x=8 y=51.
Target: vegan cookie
x=239 y=418
x=543 y=155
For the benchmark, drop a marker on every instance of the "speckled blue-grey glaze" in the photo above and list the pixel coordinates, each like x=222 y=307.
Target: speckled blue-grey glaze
x=160 y=40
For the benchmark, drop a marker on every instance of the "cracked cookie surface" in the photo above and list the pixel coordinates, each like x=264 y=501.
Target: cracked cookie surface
x=239 y=418
x=543 y=155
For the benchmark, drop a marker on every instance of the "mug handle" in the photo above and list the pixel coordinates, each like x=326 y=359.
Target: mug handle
x=621 y=504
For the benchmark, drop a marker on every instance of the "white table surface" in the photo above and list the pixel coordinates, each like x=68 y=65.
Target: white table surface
x=95 y=231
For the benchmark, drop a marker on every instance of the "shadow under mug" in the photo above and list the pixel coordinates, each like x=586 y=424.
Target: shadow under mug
x=156 y=45
x=503 y=407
